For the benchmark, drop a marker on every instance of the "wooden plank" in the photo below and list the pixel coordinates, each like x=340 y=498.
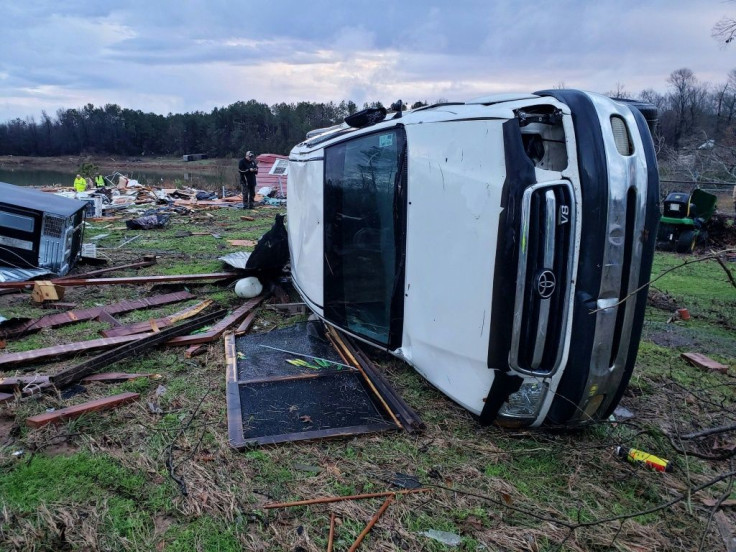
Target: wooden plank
x=137 y=279
x=16 y=382
x=232 y=393
x=158 y=323
x=242 y=243
x=140 y=264
x=9 y=361
x=130 y=350
x=409 y=419
x=702 y=361
x=105 y=316
x=79 y=409
x=69 y=317
x=6 y=397
x=218 y=329
x=112 y=377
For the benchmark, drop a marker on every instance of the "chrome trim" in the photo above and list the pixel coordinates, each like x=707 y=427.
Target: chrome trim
x=624 y=174
x=549 y=261
x=550 y=225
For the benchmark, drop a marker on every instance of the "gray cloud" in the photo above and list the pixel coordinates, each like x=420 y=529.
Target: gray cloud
x=164 y=56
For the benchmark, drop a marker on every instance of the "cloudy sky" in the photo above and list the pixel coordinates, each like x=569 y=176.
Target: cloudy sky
x=173 y=57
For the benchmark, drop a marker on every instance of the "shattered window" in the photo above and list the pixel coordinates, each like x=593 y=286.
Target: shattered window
x=362 y=178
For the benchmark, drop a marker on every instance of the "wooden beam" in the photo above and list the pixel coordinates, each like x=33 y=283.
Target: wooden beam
x=9 y=361
x=130 y=350
x=113 y=377
x=702 y=361
x=79 y=409
x=70 y=317
x=13 y=383
x=218 y=329
x=137 y=279
x=158 y=323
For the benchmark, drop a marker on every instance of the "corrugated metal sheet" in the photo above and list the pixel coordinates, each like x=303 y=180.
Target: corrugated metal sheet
x=265 y=162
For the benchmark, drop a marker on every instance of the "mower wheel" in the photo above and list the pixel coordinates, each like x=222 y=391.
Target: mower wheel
x=686 y=241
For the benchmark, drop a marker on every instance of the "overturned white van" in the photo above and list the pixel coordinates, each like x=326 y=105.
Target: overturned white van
x=496 y=245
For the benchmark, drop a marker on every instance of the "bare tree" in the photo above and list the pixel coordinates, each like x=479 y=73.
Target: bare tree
x=724 y=31
x=619 y=92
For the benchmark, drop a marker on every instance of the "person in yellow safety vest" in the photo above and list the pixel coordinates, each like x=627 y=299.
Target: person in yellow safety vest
x=80 y=184
x=99 y=181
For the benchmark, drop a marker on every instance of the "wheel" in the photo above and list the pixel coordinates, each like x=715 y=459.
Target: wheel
x=686 y=241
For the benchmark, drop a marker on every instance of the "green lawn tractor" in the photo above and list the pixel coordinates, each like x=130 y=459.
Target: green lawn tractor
x=682 y=225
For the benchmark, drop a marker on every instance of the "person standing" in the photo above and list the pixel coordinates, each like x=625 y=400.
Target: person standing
x=248 y=169
x=80 y=184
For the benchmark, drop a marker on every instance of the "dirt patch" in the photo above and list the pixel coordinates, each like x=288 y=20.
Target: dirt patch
x=61 y=449
x=161 y=524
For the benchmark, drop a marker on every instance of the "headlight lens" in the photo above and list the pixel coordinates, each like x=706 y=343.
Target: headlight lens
x=525 y=402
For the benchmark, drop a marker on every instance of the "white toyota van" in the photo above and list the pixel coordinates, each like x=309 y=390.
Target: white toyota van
x=501 y=246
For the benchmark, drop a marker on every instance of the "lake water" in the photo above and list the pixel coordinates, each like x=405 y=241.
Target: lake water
x=40 y=178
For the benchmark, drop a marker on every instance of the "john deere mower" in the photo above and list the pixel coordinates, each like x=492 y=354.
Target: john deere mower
x=682 y=225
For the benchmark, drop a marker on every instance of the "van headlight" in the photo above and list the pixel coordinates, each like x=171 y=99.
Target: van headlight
x=525 y=402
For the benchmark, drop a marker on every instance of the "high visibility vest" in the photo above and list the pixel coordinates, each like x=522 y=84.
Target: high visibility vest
x=100 y=181
x=80 y=184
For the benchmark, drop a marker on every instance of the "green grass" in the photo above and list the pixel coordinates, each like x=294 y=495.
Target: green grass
x=114 y=480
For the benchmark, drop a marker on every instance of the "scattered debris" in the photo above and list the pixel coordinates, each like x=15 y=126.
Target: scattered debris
x=636 y=456
x=155 y=325
x=218 y=329
x=70 y=317
x=702 y=361
x=115 y=377
x=45 y=290
x=127 y=351
x=450 y=539
x=9 y=361
x=79 y=409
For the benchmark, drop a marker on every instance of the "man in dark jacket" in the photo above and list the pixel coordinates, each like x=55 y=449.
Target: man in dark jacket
x=248 y=170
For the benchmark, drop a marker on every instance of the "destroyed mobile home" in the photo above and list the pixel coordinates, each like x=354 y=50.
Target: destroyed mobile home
x=500 y=246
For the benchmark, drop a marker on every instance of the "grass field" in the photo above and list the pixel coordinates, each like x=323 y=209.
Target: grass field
x=100 y=482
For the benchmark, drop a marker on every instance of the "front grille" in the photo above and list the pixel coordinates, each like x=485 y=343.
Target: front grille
x=543 y=278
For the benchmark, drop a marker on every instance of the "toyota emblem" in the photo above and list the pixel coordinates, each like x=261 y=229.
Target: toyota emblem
x=546 y=284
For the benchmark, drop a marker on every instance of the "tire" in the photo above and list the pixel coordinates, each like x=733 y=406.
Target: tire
x=686 y=241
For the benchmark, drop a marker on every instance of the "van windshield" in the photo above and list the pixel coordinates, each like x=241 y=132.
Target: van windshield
x=363 y=242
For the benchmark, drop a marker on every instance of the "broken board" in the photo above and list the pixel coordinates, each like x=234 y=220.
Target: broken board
x=271 y=400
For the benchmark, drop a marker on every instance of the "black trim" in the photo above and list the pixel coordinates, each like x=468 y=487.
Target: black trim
x=593 y=170
x=503 y=385
x=520 y=174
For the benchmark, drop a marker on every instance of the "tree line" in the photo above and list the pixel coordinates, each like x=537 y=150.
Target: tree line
x=223 y=132
x=691 y=114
